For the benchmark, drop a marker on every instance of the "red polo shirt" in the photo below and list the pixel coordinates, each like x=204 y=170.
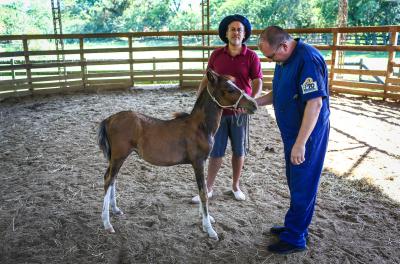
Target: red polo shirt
x=245 y=67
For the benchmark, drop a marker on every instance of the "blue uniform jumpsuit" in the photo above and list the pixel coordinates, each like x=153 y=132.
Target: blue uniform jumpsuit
x=301 y=77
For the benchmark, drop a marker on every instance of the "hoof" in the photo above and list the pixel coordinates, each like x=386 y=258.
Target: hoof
x=213 y=235
x=212 y=220
x=110 y=230
x=118 y=212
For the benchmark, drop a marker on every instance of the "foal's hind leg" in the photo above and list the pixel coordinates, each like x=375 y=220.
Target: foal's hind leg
x=203 y=206
x=113 y=199
x=109 y=187
x=105 y=215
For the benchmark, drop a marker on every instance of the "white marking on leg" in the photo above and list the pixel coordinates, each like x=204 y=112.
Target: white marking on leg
x=211 y=219
x=206 y=221
x=207 y=227
x=113 y=200
x=105 y=215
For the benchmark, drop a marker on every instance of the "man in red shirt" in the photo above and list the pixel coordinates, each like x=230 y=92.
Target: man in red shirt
x=238 y=61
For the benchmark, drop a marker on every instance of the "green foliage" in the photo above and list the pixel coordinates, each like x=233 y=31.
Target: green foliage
x=17 y=17
x=374 y=12
x=95 y=15
x=185 y=20
x=329 y=12
x=147 y=16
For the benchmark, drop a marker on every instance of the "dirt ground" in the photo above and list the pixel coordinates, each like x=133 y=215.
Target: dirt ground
x=52 y=189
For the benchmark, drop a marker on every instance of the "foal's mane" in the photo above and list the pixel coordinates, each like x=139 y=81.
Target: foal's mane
x=180 y=115
x=200 y=99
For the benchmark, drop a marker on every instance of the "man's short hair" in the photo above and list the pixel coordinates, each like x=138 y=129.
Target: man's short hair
x=275 y=36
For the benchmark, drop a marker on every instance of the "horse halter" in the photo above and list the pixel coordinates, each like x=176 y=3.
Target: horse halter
x=234 y=106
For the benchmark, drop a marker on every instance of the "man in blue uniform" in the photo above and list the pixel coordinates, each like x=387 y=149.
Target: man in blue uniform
x=300 y=97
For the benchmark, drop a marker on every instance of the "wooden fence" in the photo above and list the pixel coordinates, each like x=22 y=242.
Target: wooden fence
x=24 y=71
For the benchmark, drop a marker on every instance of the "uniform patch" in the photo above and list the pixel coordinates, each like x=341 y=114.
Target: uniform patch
x=309 y=86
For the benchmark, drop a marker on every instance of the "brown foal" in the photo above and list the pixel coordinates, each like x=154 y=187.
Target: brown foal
x=187 y=139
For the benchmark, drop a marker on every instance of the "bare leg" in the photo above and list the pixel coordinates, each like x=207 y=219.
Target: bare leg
x=237 y=165
x=214 y=164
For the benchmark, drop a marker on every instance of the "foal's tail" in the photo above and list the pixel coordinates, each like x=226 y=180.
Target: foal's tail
x=102 y=139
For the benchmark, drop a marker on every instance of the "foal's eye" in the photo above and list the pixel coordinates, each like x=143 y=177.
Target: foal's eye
x=230 y=90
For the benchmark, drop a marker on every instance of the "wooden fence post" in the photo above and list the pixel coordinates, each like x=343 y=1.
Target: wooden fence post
x=180 y=60
x=27 y=64
x=13 y=73
x=154 y=69
x=335 y=41
x=391 y=54
x=82 y=62
x=131 y=60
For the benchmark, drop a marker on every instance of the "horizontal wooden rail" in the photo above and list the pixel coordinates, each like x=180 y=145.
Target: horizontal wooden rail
x=394 y=80
x=360 y=72
x=356 y=92
x=348 y=84
x=393 y=88
x=175 y=48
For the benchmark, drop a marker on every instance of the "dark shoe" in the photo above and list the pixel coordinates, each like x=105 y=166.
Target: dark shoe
x=284 y=248
x=277 y=230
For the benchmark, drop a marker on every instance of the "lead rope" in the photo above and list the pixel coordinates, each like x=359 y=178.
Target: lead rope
x=248 y=135
x=234 y=106
x=240 y=120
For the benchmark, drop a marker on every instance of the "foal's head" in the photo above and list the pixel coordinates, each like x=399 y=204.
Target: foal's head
x=227 y=95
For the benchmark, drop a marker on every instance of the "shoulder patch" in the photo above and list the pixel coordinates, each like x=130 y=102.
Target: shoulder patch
x=309 y=85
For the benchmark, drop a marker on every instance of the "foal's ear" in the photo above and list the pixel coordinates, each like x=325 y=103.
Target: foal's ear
x=212 y=76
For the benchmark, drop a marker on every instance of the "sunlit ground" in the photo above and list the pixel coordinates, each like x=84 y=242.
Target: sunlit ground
x=364 y=144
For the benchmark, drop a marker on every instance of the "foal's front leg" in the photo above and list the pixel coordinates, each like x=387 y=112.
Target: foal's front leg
x=203 y=205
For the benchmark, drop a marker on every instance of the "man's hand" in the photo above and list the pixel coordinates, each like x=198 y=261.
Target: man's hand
x=240 y=110
x=297 y=155
x=265 y=99
x=310 y=118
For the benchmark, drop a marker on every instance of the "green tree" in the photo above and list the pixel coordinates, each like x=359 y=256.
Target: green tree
x=17 y=18
x=286 y=13
x=374 y=12
x=149 y=16
x=329 y=11
x=95 y=15
x=185 y=20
